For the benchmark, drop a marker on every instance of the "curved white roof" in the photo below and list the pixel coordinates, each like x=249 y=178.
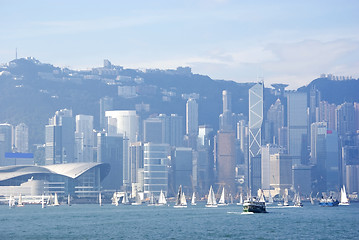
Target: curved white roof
x=71 y=170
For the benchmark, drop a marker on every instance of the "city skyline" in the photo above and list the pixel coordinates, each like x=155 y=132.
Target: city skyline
x=230 y=40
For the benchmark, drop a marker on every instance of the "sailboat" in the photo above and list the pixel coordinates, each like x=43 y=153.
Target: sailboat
x=43 y=201
x=297 y=201
x=311 y=199
x=261 y=196
x=193 y=201
x=11 y=202
x=138 y=199
x=343 y=197
x=114 y=199
x=181 y=199
x=285 y=198
x=100 y=199
x=20 y=203
x=211 y=201
x=152 y=200
x=162 y=200
x=56 y=201
x=50 y=200
x=270 y=198
x=240 y=199
x=222 y=200
x=231 y=198
x=125 y=200
x=68 y=200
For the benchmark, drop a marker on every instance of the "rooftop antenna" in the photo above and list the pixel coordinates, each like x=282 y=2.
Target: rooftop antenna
x=16 y=53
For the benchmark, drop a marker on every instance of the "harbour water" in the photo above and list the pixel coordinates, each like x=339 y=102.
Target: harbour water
x=166 y=222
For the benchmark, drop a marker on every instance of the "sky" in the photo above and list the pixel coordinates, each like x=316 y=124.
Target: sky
x=279 y=41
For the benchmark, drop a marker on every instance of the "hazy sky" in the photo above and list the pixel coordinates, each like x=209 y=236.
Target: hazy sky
x=282 y=41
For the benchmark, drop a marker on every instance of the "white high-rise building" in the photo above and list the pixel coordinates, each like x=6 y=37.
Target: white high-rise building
x=267 y=151
x=22 y=138
x=126 y=123
x=84 y=138
x=156 y=168
x=192 y=117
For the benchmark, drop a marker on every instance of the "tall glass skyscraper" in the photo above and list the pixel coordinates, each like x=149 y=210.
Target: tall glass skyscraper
x=60 y=138
x=192 y=117
x=255 y=135
x=22 y=138
x=297 y=124
x=84 y=138
x=156 y=168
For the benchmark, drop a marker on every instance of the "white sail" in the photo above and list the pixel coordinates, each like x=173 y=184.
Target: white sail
x=11 y=202
x=43 y=201
x=50 y=200
x=138 y=199
x=56 y=201
x=222 y=200
x=211 y=201
x=125 y=199
x=240 y=199
x=193 y=202
x=68 y=200
x=100 y=199
x=115 y=199
x=285 y=198
x=297 y=202
x=181 y=199
x=20 y=203
x=343 y=197
x=270 y=198
x=152 y=200
x=261 y=197
x=162 y=199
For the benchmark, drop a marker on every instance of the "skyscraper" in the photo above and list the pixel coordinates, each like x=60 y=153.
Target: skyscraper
x=22 y=138
x=192 y=117
x=5 y=141
x=84 y=137
x=226 y=118
x=255 y=135
x=126 y=123
x=226 y=159
x=275 y=121
x=319 y=155
x=106 y=104
x=183 y=169
x=109 y=150
x=154 y=130
x=156 y=168
x=297 y=124
x=266 y=152
x=327 y=114
x=60 y=138
x=345 y=119
x=280 y=172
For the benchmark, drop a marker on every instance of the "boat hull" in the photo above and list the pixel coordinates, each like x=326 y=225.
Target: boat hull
x=211 y=205
x=344 y=204
x=254 y=207
x=180 y=206
x=329 y=204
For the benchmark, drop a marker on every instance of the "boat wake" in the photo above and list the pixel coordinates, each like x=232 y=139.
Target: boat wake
x=240 y=213
x=237 y=213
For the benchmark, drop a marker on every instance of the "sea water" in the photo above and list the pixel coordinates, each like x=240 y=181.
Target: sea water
x=166 y=222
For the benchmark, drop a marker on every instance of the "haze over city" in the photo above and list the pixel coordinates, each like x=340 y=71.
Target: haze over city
x=279 y=41
x=204 y=119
